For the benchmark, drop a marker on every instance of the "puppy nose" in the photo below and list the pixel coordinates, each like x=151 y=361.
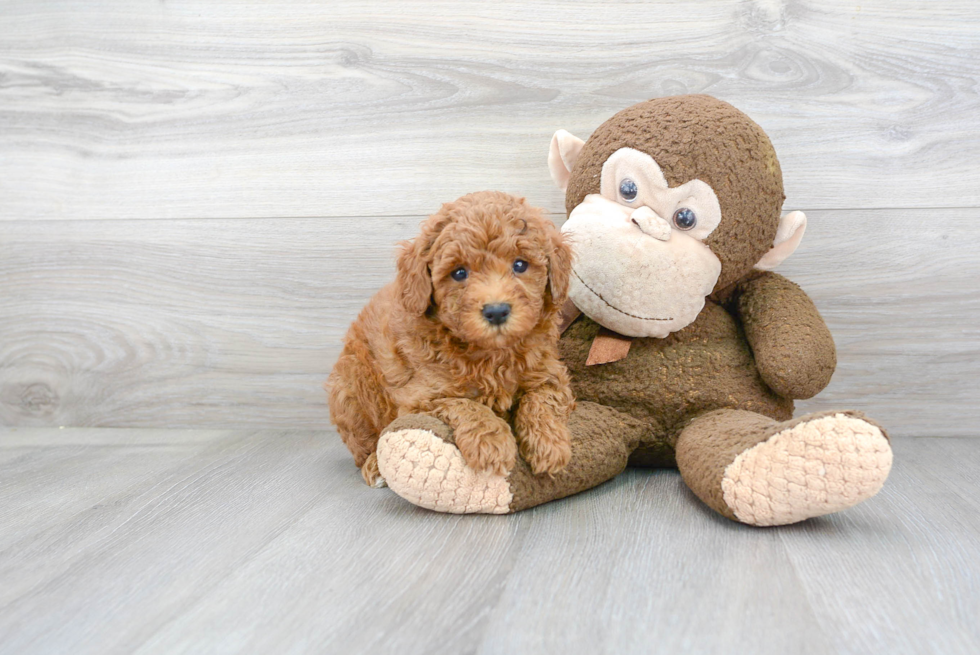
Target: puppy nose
x=496 y=314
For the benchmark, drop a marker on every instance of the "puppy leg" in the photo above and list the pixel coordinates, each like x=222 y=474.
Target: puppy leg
x=358 y=406
x=541 y=427
x=483 y=438
x=371 y=474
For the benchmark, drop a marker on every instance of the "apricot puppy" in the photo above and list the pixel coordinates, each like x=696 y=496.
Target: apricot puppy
x=468 y=333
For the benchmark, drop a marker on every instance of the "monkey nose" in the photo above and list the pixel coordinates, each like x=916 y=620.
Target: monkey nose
x=650 y=223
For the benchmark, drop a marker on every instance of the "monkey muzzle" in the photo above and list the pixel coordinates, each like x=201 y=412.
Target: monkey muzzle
x=635 y=285
x=651 y=223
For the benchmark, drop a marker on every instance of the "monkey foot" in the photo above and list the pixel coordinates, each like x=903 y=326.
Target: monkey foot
x=420 y=463
x=821 y=465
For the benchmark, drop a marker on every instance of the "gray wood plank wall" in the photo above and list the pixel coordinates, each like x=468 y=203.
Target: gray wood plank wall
x=196 y=198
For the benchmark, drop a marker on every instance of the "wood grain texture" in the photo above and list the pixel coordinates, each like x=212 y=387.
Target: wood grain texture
x=221 y=323
x=115 y=109
x=288 y=145
x=269 y=542
x=901 y=294
x=185 y=323
x=50 y=476
x=915 y=544
x=160 y=541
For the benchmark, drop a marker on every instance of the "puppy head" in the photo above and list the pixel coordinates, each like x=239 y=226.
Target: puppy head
x=490 y=266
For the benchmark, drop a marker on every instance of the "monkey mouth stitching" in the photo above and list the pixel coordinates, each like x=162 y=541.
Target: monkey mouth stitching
x=599 y=296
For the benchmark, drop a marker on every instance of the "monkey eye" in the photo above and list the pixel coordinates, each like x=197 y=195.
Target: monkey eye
x=520 y=266
x=627 y=189
x=459 y=274
x=685 y=219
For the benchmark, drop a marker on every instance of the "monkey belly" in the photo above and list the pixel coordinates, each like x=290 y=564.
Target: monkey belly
x=667 y=382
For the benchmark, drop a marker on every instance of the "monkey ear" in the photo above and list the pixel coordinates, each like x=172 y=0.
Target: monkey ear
x=559 y=267
x=788 y=237
x=414 y=280
x=565 y=148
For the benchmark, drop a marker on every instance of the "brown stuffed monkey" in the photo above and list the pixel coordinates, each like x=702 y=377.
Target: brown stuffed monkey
x=684 y=348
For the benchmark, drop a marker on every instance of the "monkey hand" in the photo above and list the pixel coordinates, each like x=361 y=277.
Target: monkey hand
x=793 y=349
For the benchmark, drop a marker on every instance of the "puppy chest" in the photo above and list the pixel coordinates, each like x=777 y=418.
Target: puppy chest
x=500 y=400
x=498 y=393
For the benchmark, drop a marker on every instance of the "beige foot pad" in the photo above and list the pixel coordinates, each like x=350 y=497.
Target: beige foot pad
x=810 y=469
x=429 y=472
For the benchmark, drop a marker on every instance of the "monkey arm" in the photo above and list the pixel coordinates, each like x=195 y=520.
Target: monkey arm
x=793 y=348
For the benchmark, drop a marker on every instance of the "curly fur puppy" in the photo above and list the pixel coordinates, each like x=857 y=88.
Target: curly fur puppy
x=468 y=333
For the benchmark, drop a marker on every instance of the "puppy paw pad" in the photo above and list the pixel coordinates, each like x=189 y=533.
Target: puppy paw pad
x=429 y=472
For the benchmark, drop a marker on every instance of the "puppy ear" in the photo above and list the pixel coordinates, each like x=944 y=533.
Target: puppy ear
x=559 y=266
x=414 y=280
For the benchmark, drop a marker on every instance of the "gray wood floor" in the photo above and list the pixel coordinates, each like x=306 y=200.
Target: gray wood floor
x=168 y=541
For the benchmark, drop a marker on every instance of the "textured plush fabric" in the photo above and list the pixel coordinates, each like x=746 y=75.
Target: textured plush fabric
x=710 y=444
x=417 y=458
x=698 y=137
x=421 y=422
x=819 y=465
x=747 y=467
x=430 y=472
x=635 y=279
x=794 y=351
x=753 y=469
x=665 y=383
x=602 y=440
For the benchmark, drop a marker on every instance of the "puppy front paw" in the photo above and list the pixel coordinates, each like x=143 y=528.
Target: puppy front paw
x=488 y=447
x=547 y=450
x=371 y=474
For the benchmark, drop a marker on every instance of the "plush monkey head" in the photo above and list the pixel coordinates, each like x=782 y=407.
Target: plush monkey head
x=669 y=201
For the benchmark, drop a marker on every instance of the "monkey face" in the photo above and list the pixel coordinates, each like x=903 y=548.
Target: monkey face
x=669 y=200
x=648 y=270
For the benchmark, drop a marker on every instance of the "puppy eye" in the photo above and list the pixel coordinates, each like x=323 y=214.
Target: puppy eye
x=685 y=219
x=459 y=274
x=628 y=190
x=520 y=266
